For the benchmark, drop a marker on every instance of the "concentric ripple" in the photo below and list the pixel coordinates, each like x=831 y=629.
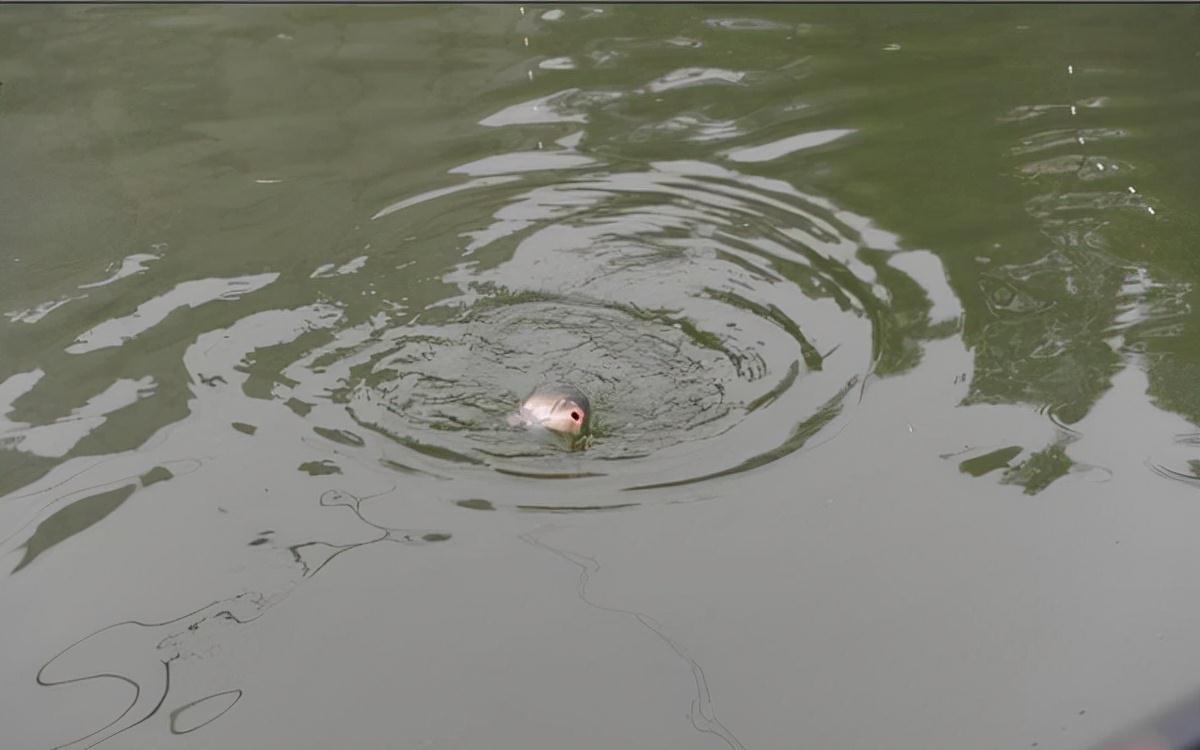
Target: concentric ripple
x=717 y=321
x=681 y=377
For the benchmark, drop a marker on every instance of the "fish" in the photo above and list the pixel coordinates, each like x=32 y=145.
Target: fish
x=557 y=407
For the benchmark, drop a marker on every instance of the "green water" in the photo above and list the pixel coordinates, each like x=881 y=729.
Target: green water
x=887 y=316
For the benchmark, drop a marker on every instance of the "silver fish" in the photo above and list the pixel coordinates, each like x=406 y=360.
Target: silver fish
x=558 y=407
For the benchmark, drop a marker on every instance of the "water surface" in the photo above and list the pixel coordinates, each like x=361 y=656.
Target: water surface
x=887 y=317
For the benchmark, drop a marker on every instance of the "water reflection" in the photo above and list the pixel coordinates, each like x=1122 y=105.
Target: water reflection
x=117 y=331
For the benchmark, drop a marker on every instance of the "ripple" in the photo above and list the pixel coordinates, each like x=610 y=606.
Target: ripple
x=526 y=161
x=681 y=373
x=561 y=106
x=58 y=437
x=692 y=127
x=117 y=331
x=785 y=146
x=37 y=312
x=329 y=270
x=1060 y=324
x=131 y=265
x=717 y=320
x=688 y=77
x=557 y=63
x=1053 y=139
x=746 y=24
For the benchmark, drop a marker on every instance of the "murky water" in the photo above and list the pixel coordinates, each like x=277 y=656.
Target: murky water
x=887 y=316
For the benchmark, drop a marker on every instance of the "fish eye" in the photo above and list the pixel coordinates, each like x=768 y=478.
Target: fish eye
x=575 y=416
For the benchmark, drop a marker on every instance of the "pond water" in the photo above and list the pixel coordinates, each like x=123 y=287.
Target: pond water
x=887 y=316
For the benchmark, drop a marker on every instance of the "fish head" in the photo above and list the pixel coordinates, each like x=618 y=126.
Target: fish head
x=568 y=415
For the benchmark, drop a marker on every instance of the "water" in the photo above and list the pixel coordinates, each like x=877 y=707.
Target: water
x=887 y=317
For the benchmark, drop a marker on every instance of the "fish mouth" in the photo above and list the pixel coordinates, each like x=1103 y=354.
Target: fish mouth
x=569 y=429
x=578 y=414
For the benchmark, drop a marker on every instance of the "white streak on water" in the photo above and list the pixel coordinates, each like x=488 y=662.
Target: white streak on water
x=37 y=312
x=557 y=63
x=527 y=161
x=57 y=438
x=222 y=351
x=329 y=270
x=571 y=141
x=130 y=266
x=16 y=386
x=685 y=77
x=150 y=313
x=400 y=205
x=927 y=270
x=541 y=110
x=785 y=146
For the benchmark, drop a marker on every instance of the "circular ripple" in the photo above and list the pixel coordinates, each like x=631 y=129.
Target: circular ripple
x=455 y=384
x=716 y=320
